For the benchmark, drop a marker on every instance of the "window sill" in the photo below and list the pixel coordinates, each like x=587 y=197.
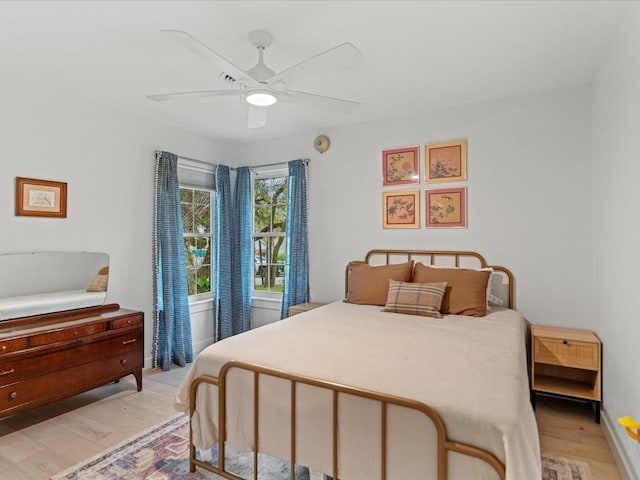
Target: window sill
x=267 y=303
x=268 y=296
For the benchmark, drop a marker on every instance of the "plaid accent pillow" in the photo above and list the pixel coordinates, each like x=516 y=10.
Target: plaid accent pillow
x=415 y=298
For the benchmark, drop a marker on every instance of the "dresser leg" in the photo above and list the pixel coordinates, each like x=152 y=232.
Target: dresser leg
x=138 y=375
x=597 y=412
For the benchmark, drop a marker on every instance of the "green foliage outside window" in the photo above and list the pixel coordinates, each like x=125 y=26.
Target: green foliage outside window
x=196 y=222
x=270 y=208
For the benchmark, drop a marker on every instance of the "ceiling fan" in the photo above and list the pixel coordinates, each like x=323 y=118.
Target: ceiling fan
x=260 y=86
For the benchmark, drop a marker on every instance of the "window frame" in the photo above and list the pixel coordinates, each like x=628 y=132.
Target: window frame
x=199 y=176
x=261 y=175
x=205 y=296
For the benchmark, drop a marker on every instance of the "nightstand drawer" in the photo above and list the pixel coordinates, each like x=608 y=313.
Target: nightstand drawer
x=566 y=353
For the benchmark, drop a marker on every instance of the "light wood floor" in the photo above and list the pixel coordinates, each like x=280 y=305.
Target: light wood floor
x=567 y=428
x=37 y=444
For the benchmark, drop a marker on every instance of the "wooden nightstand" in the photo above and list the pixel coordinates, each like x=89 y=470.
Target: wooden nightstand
x=303 y=307
x=567 y=362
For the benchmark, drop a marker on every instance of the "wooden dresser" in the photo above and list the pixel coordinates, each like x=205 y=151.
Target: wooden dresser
x=49 y=357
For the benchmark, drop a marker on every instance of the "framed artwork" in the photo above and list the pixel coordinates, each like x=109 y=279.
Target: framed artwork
x=446 y=207
x=401 y=166
x=401 y=209
x=445 y=162
x=41 y=198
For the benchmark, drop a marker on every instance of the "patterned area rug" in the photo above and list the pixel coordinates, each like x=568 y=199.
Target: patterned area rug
x=561 y=468
x=162 y=453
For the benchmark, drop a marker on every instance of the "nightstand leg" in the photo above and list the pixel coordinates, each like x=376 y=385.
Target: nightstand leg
x=533 y=399
x=597 y=412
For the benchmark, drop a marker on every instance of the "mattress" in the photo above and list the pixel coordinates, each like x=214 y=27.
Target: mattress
x=36 y=304
x=471 y=370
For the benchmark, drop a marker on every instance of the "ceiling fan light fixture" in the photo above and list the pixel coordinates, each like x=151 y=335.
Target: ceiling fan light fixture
x=261 y=98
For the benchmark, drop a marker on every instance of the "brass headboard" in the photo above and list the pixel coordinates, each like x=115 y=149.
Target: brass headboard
x=501 y=281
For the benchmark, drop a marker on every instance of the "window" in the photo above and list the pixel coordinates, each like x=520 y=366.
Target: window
x=196 y=221
x=269 y=215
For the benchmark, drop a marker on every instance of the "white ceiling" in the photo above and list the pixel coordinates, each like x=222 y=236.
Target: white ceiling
x=418 y=55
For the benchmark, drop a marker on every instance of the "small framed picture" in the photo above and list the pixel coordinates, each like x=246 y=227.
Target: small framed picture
x=445 y=162
x=401 y=166
x=446 y=207
x=401 y=209
x=41 y=198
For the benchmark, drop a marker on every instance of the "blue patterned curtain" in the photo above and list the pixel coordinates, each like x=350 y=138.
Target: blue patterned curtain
x=242 y=260
x=222 y=253
x=296 y=268
x=172 y=325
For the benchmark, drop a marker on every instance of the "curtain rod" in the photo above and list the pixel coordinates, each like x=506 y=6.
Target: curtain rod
x=305 y=160
x=158 y=152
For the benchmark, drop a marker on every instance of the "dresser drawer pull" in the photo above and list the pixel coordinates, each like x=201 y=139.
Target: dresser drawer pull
x=127 y=342
x=123 y=362
x=565 y=342
x=13 y=395
x=8 y=372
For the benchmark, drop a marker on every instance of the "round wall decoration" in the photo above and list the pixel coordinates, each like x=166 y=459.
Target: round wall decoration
x=321 y=143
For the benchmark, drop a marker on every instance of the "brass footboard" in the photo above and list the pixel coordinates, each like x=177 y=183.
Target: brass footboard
x=444 y=444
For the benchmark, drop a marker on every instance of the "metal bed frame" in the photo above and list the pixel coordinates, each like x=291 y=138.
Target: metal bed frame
x=444 y=444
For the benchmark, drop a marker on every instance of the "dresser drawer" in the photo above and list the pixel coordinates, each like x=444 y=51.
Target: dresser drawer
x=130 y=321
x=53 y=386
x=7 y=346
x=22 y=368
x=68 y=334
x=566 y=353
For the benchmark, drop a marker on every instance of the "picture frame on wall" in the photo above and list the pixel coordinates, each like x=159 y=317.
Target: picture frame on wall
x=445 y=162
x=446 y=207
x=41 y=198
x=401 y=166
x=401 y=209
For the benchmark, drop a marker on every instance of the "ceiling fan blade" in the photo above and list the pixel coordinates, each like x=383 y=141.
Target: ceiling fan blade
x=202 y=50
x=257 y=116
x=163 y=97
x=323 y=101
x=339 y=57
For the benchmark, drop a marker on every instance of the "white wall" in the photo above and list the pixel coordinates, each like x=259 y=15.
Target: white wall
x=107 y=159
x=529 y=190
x=616 y=172
x=529 y=193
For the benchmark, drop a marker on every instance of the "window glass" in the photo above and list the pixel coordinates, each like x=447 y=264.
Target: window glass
x=196 y=207
x=269 y=217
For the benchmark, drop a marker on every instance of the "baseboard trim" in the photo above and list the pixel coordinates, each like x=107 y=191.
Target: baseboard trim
x=612 y=435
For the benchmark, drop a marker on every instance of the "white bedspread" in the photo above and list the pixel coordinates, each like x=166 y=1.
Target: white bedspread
x=472 y=371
